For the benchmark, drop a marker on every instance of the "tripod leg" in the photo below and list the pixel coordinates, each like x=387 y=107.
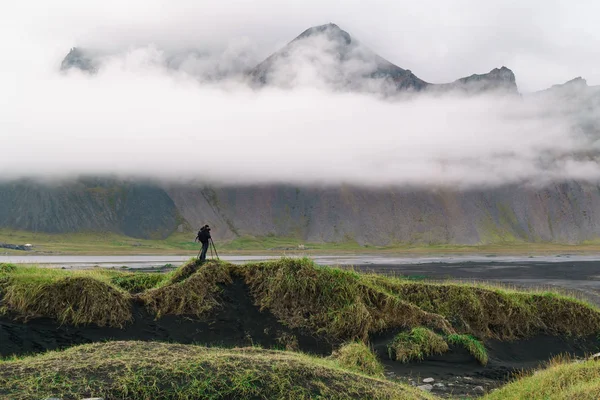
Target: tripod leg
x=213 y=245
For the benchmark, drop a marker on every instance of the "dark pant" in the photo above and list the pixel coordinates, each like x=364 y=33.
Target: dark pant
x=203 y=252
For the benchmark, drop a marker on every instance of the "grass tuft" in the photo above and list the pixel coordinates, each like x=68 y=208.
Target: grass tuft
x=356 y=356
x=137 y=282
x=6 y=268
x=151 y=370
x=416 y=344
x=474 y=346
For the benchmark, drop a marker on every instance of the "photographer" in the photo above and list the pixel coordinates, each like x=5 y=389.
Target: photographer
x=204 y=238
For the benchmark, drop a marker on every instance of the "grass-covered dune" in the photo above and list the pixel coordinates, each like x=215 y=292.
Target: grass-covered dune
x=150 y=370
x=339 y=305
x=562 y=380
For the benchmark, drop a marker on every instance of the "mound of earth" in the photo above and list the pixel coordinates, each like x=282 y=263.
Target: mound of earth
x=151 y=370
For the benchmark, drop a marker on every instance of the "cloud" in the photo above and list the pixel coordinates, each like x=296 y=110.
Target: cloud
x=155 y=108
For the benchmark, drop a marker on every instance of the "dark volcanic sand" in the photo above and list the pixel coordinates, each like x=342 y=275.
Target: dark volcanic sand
x=237 y=323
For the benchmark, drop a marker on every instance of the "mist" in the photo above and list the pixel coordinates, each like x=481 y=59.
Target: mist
x=172 y=100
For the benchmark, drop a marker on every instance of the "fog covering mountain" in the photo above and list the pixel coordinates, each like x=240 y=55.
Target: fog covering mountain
x=336 y=58
x=562 y=211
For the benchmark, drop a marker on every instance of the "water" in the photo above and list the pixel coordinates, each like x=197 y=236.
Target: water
x=149 y=261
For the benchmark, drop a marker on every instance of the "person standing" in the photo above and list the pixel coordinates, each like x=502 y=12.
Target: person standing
x=204 y=238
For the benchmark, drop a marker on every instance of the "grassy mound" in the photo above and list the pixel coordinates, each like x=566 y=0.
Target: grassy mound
x=560 y=381
x=358 y=357
x=332 y=302
x=142 y=370
x=492 y=312
x=474 y=346
x=416 y=345
x=196 y=295
x=336 y=304
x=69 y=297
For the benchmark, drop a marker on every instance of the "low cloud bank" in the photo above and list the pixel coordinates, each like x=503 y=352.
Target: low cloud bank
x=188 y=115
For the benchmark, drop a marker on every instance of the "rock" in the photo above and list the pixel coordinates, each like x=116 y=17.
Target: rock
x=93 y=398
x=426 y=388
x=451 y=384
x=479 y=389
x=439 y=385
x=595 y=357
x=467 y=378
x=428 y=380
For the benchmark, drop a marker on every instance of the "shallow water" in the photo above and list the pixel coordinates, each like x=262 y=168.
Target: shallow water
x=148 y=261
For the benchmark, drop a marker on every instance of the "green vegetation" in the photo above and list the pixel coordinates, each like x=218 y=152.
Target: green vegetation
x=183 y=243
x=150 y=370
x=356 y=356
x=474 y=346
x=6 y=268
x=416 y=345
x=73 y=297
x=340 y=305
x=332 y=302
x=560 y=381
x=137 y=282
x=486 y=311
x=195 y=295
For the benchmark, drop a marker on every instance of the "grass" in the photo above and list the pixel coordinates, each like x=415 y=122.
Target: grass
x=196 y=294
x=149 y=370
x=138 y=282
x=486 y=311
x=474 y=346
x=72 y=297
x=416 y=344
x=337 y=305
x=561 y=380
x=356 y=356
x=183 y=243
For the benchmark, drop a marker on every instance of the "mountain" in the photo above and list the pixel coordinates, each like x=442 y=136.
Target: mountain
x=330 y=54
x=497 y=80
x=566 y=213
x=79 y=59
x=328 y=57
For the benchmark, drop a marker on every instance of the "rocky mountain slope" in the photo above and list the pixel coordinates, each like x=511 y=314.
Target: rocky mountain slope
x=567 y=213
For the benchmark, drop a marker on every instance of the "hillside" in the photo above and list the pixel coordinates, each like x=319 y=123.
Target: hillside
x=564 y=213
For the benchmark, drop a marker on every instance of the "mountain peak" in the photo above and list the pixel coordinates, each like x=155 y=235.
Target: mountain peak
x=498 y=79
x=331 y=30
x=80 y=59
x=578 y=82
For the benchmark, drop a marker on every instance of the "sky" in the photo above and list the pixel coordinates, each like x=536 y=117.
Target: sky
x=137 y=117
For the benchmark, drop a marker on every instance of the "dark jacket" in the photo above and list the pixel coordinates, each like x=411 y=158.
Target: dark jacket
x=204 y=236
